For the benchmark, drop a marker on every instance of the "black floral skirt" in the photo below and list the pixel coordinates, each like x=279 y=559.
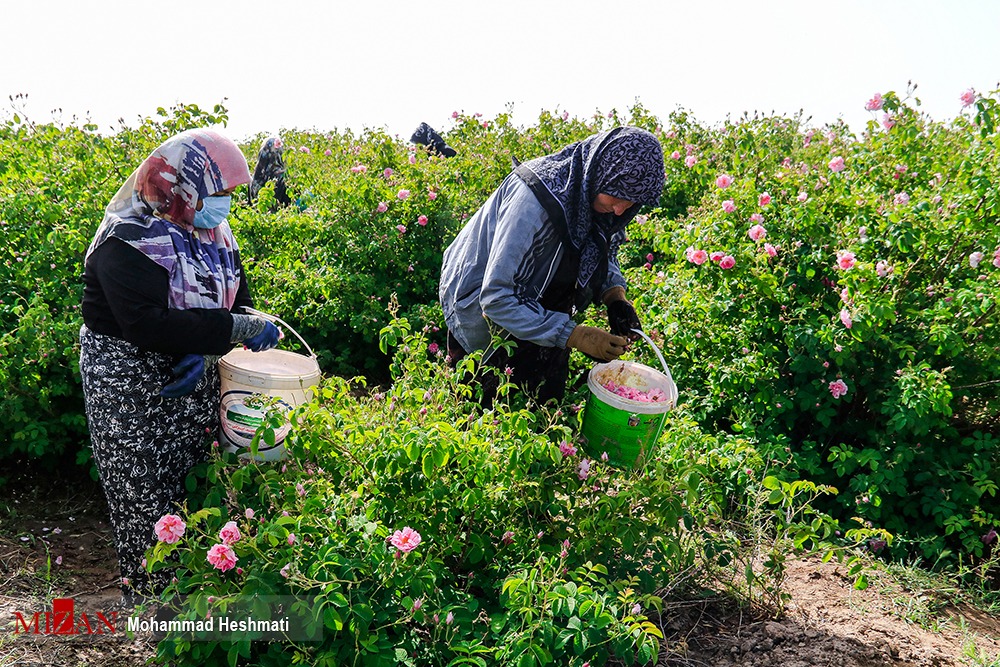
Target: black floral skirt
x=144 y=445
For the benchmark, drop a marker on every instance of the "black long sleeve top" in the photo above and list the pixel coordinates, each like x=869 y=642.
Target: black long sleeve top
x=126 y=295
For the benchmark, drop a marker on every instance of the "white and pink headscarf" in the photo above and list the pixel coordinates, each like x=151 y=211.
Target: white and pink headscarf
x=154 y=209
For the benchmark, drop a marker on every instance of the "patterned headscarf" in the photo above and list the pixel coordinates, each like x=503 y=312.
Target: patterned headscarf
x=154 y=209
x=625 y=162
x=270 y=165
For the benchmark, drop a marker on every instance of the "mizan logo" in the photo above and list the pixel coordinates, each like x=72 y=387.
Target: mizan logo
x=62 y=620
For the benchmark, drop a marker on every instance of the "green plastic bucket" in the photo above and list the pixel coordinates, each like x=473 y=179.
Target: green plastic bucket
x=624 y=428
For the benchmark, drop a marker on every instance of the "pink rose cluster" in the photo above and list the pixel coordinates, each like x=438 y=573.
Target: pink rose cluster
x=875 y=103
x=169 y=528
x=222 y=557
x=654 y=395
x=838 y=388
x=845 y=259
x=696 y=256
x=406 y=540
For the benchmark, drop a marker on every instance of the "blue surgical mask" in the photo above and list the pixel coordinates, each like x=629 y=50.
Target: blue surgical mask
x=213 y=211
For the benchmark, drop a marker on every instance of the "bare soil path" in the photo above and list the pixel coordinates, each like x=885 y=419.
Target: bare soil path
x=55 y=541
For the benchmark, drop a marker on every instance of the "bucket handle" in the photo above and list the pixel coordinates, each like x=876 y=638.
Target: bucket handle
x=659 y=355
x=273 y=318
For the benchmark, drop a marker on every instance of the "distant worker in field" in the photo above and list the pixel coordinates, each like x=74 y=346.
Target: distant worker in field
x=270 y=167
x=164 y=292
x=542 y=248
x=425 y=135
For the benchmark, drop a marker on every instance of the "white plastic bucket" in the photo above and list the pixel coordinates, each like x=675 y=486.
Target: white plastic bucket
x=246 y=377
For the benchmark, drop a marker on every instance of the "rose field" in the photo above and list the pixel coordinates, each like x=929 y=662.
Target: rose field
x=826 y=301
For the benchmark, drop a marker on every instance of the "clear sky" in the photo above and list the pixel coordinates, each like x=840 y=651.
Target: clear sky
x=390 y=64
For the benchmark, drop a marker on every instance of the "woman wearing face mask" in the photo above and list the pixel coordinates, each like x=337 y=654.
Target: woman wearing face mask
x=164 y=293
x=542 y=248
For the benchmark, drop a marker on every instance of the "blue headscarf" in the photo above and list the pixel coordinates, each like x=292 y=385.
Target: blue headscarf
x=625 y=162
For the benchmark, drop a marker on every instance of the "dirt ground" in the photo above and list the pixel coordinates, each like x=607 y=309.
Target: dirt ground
x=55 y=541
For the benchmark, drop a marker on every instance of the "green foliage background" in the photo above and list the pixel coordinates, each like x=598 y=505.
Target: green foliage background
x=912 y=447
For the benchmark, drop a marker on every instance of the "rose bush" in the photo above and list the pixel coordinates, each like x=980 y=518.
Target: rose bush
x=861 y=342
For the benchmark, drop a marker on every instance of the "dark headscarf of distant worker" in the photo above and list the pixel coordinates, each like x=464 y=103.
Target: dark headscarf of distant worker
x=270 y=167
x=544 y=247
x=425 y=135
x=164 y=294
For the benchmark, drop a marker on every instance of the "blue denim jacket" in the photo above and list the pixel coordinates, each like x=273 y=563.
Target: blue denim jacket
x=497 y=268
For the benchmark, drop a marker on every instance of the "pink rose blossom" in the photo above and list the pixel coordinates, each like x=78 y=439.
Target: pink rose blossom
x=405 y=540
x=770 y=249
x=566 y=449
x=304 y=149
x=882 y=268
x=417 y=604
x=888 y=121
x=402 y=194
x=756 y=218
x=724 y=181
x=291 y=539
x=387 y=172
x=249 y=513
x=901 y=199
x=230 y=533
x=803 y=196
x=285 y=570
x=432 y=195
x=690 y=161
x=996 y=258
x=222 y=557
x=169 y=528
x=875 y=103
x=604 y=456
x=422 y=221
x=382 y=207
x=401 y=228
x=583 y=470
x=757 y=233
x=565 y=115
x=508 y=538
x=727 y=262
x=717 y=256
x=845 y=259
x=359 y=169
x=836 y=164
x=328 y=152
x=449 y=619
x=299 y=489
x=968 y=98
x=838 y=388
x=764 y=199
x=413 y=158
x=433 y=348
x=698 y=257
x=728 y=206
x=676 y=155
x=845 y=318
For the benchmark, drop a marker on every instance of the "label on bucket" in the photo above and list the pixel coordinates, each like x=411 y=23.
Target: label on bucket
x=627 y=437
x=240 y=421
